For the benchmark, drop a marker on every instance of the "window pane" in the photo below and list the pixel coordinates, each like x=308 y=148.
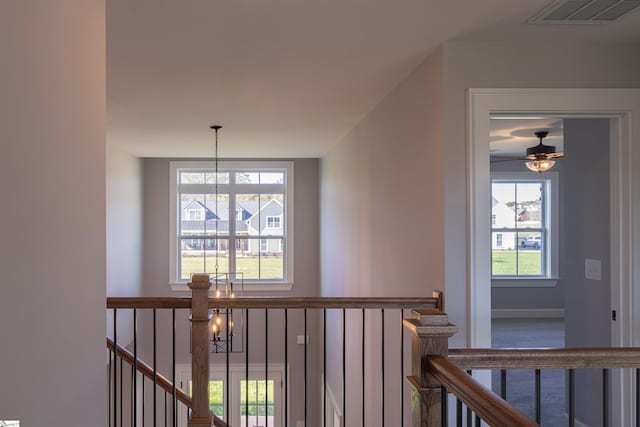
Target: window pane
x=263 y=214
x=529 y=198
x=216 y=396
x=247 y=258
x=503 y=202
x=199 y=256
x=192 y=178
x=192 y=209
x=504 y=254
x=271 y=263
x=217 y=214
x=247 y=178
x=530 y=253
x=201 y=215
x=272 y=178
x=191 y=257
x=223 y=177
x=257 y=403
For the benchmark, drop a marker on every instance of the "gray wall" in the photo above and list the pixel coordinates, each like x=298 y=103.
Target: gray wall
x=471 y=64
x=587 y=235
x=52 y=221
x=124 y=234
x=124 y=223
x=381 y=222
x=155 y=272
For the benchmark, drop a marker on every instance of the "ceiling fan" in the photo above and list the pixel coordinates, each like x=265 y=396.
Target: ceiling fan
x=540 y=157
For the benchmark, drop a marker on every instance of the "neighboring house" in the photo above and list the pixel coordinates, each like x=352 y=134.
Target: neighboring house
x=502 y=216
x=252 y=218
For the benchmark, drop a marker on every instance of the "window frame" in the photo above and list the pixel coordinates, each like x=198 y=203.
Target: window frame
x=287 y=223
x=551 y=231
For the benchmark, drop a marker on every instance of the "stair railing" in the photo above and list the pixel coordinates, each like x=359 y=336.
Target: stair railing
x=439 y=371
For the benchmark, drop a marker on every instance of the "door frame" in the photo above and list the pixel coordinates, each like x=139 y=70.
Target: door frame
x=622 y=106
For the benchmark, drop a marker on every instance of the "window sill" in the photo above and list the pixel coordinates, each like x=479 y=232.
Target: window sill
x=529 y=282
x=252 y=286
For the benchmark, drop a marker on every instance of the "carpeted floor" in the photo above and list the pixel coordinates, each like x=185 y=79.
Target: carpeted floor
x=527 y=333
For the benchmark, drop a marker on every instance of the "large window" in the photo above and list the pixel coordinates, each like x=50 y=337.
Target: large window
x=239 y=221
x=523 y=226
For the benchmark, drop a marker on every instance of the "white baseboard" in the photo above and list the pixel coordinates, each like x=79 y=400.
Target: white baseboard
x=527 y=313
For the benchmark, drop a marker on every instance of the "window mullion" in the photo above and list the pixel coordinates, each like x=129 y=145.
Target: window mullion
x=515 y=222
x=232 y=233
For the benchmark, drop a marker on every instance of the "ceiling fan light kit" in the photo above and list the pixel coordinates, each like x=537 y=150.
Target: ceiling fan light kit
x=539 y=156
x=540 y=165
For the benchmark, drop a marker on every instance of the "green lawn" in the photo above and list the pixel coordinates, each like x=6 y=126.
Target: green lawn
x=269 y=267
x=504 y=263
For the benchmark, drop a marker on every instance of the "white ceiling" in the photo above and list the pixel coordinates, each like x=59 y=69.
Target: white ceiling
x=284 y=77
x=510 y=136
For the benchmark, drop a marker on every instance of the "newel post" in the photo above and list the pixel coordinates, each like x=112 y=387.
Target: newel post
x=200 y=414
x=431 y=331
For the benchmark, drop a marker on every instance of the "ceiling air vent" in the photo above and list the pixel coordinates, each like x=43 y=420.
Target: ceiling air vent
x=585 y=11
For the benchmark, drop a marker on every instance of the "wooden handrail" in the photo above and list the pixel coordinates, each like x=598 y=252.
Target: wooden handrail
x=147 y=371
x=545 y=358
x=280 y=303
x=490 y=407
x=162 y=381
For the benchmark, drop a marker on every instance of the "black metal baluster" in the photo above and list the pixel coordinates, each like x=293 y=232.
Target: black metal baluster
x=478 y=420
x=165 y=408
x=637 y=397
x=305 y=367
x=324 y=367
x=443 y=406
x=537 y=397
x=121 y=393
x=571 y=398
x=135 y=368
x=286 y=367
x=109 y=392
x=266 y=364
x=363 y=373
x=142 y=395
x=344 y=367
x=605 y=397
x=131 y=396
x=246 y=373
x=155 y=371
x=503 y=383
x=402 y=367
x=115 y=366
x=458 y=412
x=174 y=406
x=227 y=413
x=469 y=412
x=382 y=347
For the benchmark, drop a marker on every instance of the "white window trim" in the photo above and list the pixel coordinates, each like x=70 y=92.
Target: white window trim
x=552 y=213
x=223 y=165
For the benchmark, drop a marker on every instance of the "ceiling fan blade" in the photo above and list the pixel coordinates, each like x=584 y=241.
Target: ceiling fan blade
x=558 y=155
x=506 y=159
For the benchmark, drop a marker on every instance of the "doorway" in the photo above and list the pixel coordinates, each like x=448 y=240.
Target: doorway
x=622 y=107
